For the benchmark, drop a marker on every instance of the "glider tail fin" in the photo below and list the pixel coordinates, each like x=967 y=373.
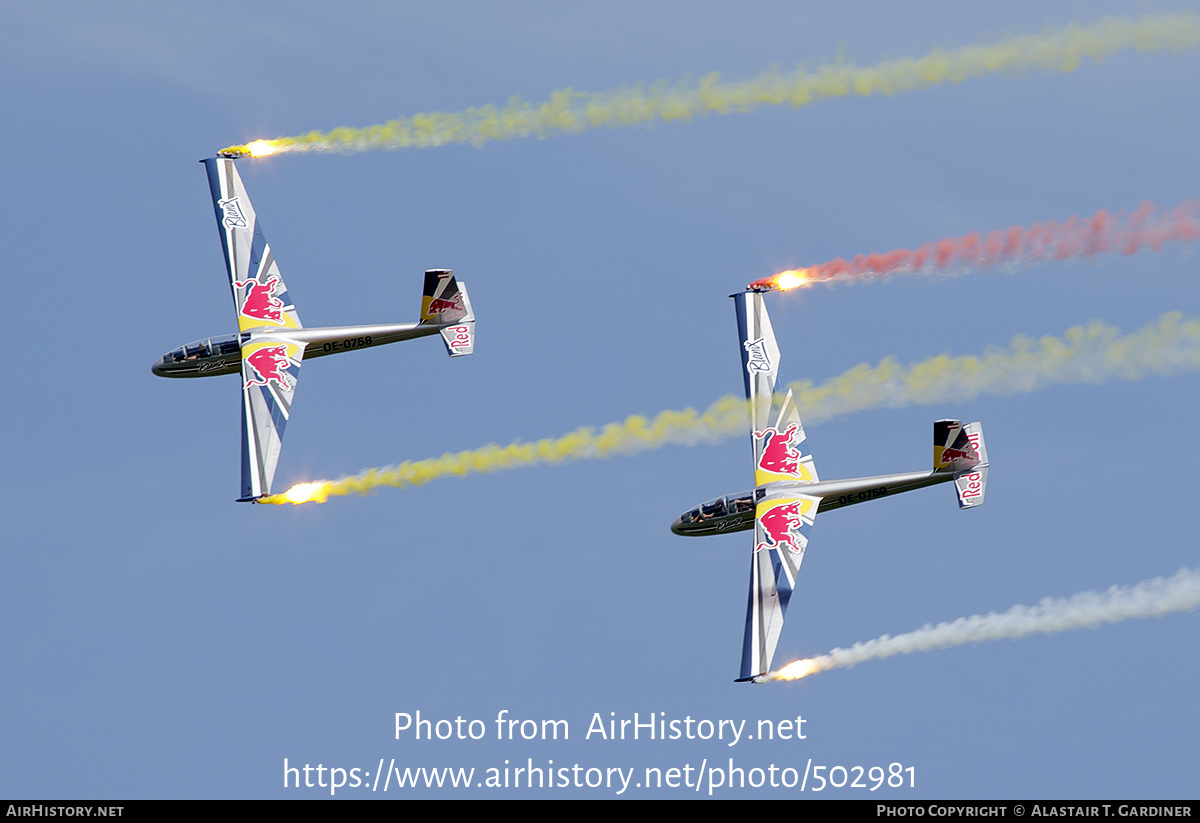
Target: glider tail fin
x=445 y=303
x=960 y=449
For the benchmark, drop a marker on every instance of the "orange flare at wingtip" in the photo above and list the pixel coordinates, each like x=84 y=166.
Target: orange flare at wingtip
x=257 y=148
x=796 y=670
x=315 y=492
x=784 y=280
x=261 y=148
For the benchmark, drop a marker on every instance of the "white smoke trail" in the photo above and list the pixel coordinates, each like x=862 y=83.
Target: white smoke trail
x=1086 y=610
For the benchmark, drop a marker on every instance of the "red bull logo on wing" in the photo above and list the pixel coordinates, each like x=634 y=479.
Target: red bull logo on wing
x=271 y=363
x=259 y=300
x=781 y=525
x=779 y=456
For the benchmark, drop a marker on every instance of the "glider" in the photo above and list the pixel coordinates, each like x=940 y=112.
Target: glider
x=788 y=495
x=270 y=343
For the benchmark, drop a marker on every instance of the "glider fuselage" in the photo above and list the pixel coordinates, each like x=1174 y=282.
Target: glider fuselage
x=735 y=512
x=223 y=355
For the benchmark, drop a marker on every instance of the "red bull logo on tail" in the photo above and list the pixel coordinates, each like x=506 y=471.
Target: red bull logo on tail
x=781 y=526
x=271 y=363
x=439 y=305
x=259 y=300
x=969 y=452
x=950 y=455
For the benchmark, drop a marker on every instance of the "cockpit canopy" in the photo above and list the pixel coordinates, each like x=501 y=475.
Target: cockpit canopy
x=209 y=347
x=736 y=504
x=213 y=355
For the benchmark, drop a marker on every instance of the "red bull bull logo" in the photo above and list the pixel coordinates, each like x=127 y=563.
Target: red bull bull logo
x=779 y=456
x=951 y=455
x=259 y=300
x=271 y=363
x=969 y=452
x=440 y=305
x=781 y=526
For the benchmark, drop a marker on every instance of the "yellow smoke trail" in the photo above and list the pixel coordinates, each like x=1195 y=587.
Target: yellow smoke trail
x=1086 y=610
x=1085 y=354
x=570 y=112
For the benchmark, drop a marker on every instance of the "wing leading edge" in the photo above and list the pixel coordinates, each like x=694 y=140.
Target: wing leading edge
x=783 y=513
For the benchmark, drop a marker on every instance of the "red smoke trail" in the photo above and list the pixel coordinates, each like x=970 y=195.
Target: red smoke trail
x=1102 y=233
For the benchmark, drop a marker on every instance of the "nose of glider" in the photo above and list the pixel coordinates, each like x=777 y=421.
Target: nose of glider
x=157 y=366
x=677 y=526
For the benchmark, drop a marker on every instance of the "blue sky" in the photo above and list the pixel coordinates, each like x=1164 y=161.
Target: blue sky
x=162 y=641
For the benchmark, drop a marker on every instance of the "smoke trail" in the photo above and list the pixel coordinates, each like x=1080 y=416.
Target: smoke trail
x=1101 y=233
x=1086 y=610
x=570 y=112
x=1090 y=354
